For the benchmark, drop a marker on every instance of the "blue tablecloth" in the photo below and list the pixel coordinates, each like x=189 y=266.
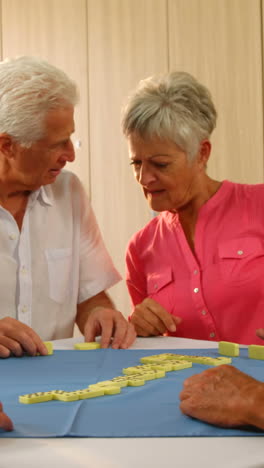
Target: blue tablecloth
x=148 y=411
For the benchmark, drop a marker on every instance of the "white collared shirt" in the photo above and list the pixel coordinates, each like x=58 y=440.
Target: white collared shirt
x=57 y=261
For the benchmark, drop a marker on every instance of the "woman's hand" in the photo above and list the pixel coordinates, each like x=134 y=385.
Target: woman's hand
x=151 y=319
x=260 y=333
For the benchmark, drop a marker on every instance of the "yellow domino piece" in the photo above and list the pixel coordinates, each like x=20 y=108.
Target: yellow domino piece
x=121 y=381
x=61 y=395
x=164 y=365
x=136 y=380
x=108 y=388
x=178 y=364
x=104 y=383
x=157 y=358
x=160 y=373
x=38 y=397
x=136 y=369
x=86 y=393
x=86 y=346
x=49 y=347
x=147 y=375
x=146 y=370
x=228 y=349
x=256 y=352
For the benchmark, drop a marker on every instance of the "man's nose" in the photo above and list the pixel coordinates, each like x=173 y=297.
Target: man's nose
x=68 y=154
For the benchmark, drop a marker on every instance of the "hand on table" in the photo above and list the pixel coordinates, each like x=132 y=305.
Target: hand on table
x=17 y=338
x=5 y=421
x=109 y=323
x=151 y=319
x=224 y=396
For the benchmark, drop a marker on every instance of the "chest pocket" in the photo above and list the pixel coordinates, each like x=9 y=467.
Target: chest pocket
x=59 y=269
x=242 y=259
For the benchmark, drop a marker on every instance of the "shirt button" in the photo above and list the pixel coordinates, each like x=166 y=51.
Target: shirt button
x=24 y=270
x=195 y=272
x=196 y=290
x=24 y=309
x=12 y=236
x=203 y=312
x=212 y=335
x=155 y=286
x=240 y=252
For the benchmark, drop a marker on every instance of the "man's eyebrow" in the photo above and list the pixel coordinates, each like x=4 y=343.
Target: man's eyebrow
x=160 y=154
x=153 y=156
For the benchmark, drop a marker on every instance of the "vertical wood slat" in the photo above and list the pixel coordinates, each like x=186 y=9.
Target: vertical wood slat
x=127 y=41
x=219 y=41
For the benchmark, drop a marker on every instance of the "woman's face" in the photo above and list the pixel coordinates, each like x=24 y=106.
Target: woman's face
x=169 y=180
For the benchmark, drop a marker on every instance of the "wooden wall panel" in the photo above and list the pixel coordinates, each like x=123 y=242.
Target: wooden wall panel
x=55 y=30
x=219 y=41
x=127 y=41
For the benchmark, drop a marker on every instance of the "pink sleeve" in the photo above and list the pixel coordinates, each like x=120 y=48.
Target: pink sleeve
x=135 y=275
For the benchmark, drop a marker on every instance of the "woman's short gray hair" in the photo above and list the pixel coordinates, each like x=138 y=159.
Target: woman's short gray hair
x=174 y=106
x=29 y=88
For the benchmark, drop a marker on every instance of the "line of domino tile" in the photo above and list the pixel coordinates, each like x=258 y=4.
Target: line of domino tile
x=152 y=367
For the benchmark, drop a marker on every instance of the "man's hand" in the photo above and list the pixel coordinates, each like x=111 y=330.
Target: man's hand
x=5 y=421
x=97 y=316
x=224 y=396
x=151 y=319
x=17 y=338
x=109 y=323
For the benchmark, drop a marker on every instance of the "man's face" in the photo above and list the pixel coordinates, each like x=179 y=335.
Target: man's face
x=43 y=161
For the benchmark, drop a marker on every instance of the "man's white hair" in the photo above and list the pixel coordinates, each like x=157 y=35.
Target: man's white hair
x=173 y=107
x=29 y=88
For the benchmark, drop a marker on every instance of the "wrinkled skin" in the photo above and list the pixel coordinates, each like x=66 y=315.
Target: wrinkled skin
x=224 y=396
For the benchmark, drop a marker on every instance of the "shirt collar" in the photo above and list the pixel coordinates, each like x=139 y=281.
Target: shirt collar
x=44 y=194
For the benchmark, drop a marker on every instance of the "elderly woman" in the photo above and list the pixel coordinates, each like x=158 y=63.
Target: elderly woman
x=195 y=270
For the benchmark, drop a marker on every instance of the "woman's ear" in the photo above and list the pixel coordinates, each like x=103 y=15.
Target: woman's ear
x=204 y=152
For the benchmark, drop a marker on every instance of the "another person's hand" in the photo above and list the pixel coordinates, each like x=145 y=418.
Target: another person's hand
x=224 y=396
x=260 y=333
x=5 y=421
x=151 y=319
x=112 y=326
x=17 y=338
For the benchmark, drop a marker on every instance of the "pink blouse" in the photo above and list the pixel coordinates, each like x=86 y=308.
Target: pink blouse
x=219 y=291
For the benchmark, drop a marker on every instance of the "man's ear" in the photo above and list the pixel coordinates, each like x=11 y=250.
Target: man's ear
x=7 y=145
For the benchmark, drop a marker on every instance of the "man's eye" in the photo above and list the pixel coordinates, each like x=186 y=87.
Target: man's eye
x=160 y=165
x=135 y=163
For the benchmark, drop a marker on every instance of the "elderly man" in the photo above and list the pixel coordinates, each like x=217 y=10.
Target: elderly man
x=54 y=265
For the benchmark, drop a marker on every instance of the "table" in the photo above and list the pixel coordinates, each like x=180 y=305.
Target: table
x=230 y=452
